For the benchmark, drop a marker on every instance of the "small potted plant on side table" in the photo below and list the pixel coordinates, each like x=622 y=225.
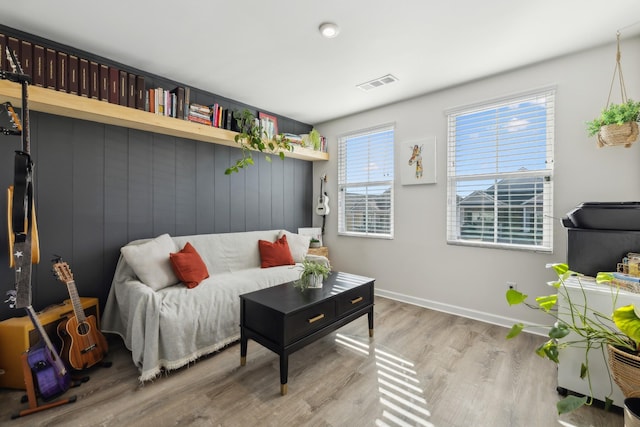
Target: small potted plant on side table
x=312 y=275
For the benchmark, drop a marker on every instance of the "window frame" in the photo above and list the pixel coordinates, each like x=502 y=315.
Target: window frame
x=530 y=219
x=343 y=185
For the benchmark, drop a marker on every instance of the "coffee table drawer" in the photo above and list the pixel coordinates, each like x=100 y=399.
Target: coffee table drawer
x=354 y=299
x=304 y=322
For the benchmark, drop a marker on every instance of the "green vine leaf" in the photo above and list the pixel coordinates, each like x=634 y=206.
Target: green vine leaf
x=570 y=403
x=253 y=138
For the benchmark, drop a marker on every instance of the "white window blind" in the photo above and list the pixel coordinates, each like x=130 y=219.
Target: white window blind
x=365 y=183
x=500 y=172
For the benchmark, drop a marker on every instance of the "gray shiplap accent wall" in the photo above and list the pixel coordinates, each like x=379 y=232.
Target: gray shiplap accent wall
x=101 y=186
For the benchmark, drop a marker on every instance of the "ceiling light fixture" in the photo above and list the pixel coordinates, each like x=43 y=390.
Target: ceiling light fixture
x=329 y=30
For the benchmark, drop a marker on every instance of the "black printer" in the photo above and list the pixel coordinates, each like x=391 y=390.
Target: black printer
x=601 y=234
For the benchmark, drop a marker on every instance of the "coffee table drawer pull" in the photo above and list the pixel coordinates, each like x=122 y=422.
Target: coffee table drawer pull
x=315 y=319
x=356 y=300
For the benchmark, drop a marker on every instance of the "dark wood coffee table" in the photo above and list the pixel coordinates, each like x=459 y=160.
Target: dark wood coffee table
x=285 y=319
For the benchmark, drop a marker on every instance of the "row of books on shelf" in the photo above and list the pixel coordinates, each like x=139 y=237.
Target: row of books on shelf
x=69 y=73
x=61 y=71
x=304 y=141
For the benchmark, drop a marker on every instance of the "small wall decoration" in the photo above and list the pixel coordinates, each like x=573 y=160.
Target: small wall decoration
x=418 y=162
x=269 y=124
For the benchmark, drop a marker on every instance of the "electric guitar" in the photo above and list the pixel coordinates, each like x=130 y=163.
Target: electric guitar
x=322 y=207
x=83 y=343
x=24 y=248
x=51 y=375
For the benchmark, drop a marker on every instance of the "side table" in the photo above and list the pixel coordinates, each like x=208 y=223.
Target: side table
x=322 y=250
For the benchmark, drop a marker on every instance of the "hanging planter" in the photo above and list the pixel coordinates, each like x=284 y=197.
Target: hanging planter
x=624 y=134
x=618 y=123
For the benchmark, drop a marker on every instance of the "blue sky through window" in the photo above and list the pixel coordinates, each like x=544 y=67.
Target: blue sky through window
x=369 y=159
x=507 y=138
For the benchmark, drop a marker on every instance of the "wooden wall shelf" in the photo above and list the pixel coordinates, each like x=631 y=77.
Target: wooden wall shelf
x=79 y=107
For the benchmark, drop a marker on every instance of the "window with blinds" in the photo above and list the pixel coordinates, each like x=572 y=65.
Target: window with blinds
x=500 y=172
x=365 y=183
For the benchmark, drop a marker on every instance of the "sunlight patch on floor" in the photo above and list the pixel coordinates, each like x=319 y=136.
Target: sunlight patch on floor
x=401 y=397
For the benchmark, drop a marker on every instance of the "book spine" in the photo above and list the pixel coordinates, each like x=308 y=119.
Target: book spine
x=104 y=82
x=4 y=66
x=152 y=100
x=51 y=68
x=14 y=46
x=26 y=58
x=187 y=102
x=114 y=93
x=74 y=80
x=140 y=93
x=199 y=120
x=122 y=89
x=38 y=65
x=131 y=90
x=63 y=72
x=94 y=80
x=83 y=73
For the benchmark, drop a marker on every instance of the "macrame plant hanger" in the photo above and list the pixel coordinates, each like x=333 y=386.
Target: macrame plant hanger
x=627 y=133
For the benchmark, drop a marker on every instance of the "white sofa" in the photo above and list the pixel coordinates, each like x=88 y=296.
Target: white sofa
x=167 y=325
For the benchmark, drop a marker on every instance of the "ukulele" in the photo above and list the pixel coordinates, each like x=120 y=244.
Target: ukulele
x=83 y=343
x=322 y=208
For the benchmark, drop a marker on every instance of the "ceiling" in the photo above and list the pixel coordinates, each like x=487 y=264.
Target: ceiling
x=269 y=53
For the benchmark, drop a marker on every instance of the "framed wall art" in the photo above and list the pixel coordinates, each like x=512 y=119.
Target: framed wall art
x=418 y=161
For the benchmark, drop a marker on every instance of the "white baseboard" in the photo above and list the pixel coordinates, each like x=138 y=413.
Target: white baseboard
x=506 y=322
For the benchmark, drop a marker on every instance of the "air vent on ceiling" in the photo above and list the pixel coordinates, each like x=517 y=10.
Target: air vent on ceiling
x=380 y=81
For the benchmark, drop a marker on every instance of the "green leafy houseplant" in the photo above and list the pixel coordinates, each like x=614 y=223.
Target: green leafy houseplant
x=309 y=270
x=589 y=328
x=615 y=114
x=253 y=138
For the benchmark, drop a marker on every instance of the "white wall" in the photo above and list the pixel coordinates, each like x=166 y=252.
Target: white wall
x=418 y=266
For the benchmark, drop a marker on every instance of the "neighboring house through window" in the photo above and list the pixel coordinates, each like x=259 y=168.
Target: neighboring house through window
x=365 y=183
x=500 y=172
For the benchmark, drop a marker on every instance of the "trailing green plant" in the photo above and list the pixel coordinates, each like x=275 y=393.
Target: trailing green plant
x=586 y=328
x=310 y=269
x=615 y=114
x=314 y=138
x=252 y=137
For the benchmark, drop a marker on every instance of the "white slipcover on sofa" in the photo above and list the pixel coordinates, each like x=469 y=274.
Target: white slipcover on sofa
x=167 y=325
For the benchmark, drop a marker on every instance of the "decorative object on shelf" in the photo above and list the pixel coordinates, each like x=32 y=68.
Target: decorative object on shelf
x=314 y=232
x=312 y=275
x=314 y=243
x=589 y=329
x=419 y=162
x=269 y=125
x=252 y=137
x=618 y=123
x=314 y=139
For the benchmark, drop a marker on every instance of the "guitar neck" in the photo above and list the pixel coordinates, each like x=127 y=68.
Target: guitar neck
x=62 y=370
x=78 y=311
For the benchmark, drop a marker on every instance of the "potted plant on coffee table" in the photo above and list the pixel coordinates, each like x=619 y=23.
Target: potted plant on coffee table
x=312 y=275
x=580 y=326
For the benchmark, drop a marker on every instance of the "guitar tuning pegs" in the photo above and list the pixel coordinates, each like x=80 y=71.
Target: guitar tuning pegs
x=11 y=298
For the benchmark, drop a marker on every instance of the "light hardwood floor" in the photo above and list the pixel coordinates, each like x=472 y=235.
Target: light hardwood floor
x=422 y=368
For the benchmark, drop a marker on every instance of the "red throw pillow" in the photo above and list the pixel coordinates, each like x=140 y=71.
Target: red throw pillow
x=275 y=254
x=188 y=266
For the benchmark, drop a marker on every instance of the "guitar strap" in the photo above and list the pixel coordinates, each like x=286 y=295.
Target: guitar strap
x=21 y=231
